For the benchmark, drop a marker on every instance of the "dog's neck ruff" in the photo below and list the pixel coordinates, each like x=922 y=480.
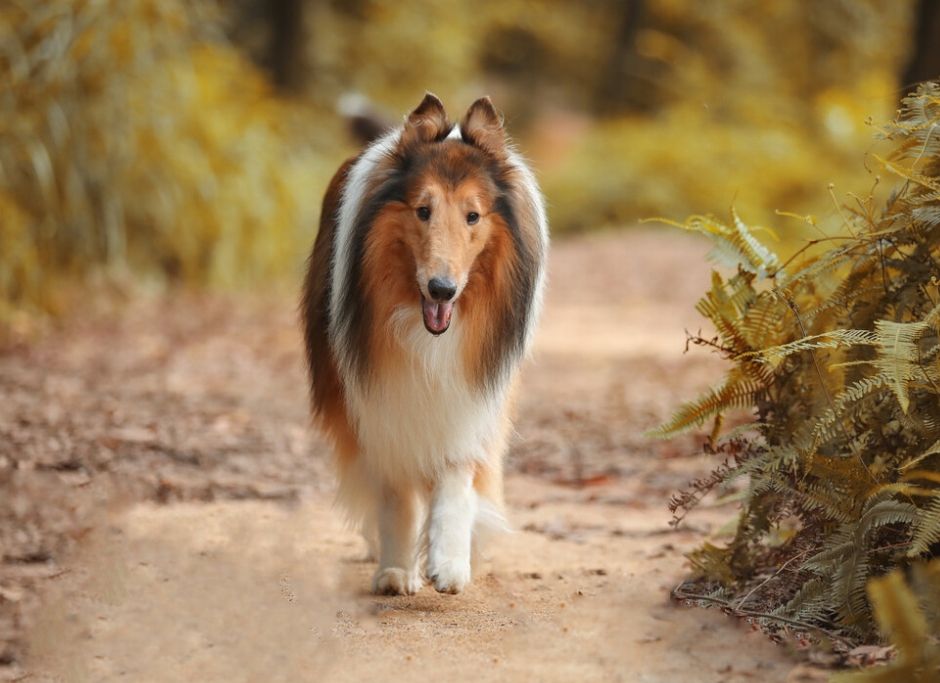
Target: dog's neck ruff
x=354 y=192
x=421 y=415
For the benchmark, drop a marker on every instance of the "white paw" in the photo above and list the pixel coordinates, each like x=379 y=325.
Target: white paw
x=449 y=576
x=396 y=581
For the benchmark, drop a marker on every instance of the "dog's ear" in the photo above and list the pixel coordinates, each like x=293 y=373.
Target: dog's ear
x=483 y=127
x=426 y=123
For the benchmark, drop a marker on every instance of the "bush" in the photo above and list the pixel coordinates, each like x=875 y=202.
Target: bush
x=837 y=355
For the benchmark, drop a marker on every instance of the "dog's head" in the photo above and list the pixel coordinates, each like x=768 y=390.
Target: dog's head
x=451 y=199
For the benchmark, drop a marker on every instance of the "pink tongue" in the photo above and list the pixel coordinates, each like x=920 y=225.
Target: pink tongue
x=437 y=316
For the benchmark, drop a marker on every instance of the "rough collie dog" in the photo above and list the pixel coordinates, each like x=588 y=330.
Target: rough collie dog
x=419 y=304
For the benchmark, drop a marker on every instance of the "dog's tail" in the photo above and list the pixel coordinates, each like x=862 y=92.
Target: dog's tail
x=366 y=123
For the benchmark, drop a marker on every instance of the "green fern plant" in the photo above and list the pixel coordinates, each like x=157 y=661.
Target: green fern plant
x=837 y=358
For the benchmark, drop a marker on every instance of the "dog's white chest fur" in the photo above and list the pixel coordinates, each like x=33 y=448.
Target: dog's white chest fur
x=420 y=417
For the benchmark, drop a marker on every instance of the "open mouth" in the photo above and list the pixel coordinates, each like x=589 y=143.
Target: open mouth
x=436 y=315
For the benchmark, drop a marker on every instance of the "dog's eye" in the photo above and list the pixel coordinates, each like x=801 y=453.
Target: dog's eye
x=473 y=218
x=424 y=213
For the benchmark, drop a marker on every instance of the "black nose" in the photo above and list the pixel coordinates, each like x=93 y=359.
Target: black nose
x=442 y=288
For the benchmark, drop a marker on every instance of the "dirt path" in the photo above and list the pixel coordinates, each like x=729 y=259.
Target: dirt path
x=206 y=548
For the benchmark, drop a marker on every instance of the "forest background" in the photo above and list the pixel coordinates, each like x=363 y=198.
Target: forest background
x=189 y=142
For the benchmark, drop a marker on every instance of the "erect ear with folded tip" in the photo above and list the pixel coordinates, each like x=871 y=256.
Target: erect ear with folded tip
x=428 y=122
x=483 y=127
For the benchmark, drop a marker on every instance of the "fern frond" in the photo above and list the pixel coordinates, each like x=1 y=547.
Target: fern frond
x=725 y=305
x=910 y=174
x=929 y=216
x=897 y=355
x=845 y=559
x=826 y=340
x=763 y=262
x=738 y=391
x=825 y=427
x=825 y=499
x=926 y=529
x=860 y=389
x=735 y=245
x=855 y=534
x=934 y=449
x=782 y=459
x=811 y=603
x=818 y=271
x=765 y=320
x=839 y=304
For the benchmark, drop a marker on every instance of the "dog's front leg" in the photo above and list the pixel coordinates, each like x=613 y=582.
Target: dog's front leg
x=398 y=572
x=450 y=530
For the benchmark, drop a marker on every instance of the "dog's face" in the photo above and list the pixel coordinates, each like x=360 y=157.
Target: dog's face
x=448 y=223
x=450 y=199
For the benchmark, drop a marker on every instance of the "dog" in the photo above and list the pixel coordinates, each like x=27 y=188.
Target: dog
x=421 y=298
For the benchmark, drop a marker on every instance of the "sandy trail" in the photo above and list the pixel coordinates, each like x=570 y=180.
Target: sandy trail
x=275 y=590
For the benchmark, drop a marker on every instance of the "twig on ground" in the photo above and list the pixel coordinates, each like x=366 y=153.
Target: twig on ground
x=677 y=592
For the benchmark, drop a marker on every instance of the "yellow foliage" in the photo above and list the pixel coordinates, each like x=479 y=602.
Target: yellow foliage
x=762 y=110
x=687 y=160
x=906 y=611
x=128 y=141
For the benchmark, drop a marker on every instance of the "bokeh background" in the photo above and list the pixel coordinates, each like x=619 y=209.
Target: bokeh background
x=188 y=142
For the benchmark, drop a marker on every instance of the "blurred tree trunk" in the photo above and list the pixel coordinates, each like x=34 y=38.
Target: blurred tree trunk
x=924 y=64
x=285 y=54
x=630 y=80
